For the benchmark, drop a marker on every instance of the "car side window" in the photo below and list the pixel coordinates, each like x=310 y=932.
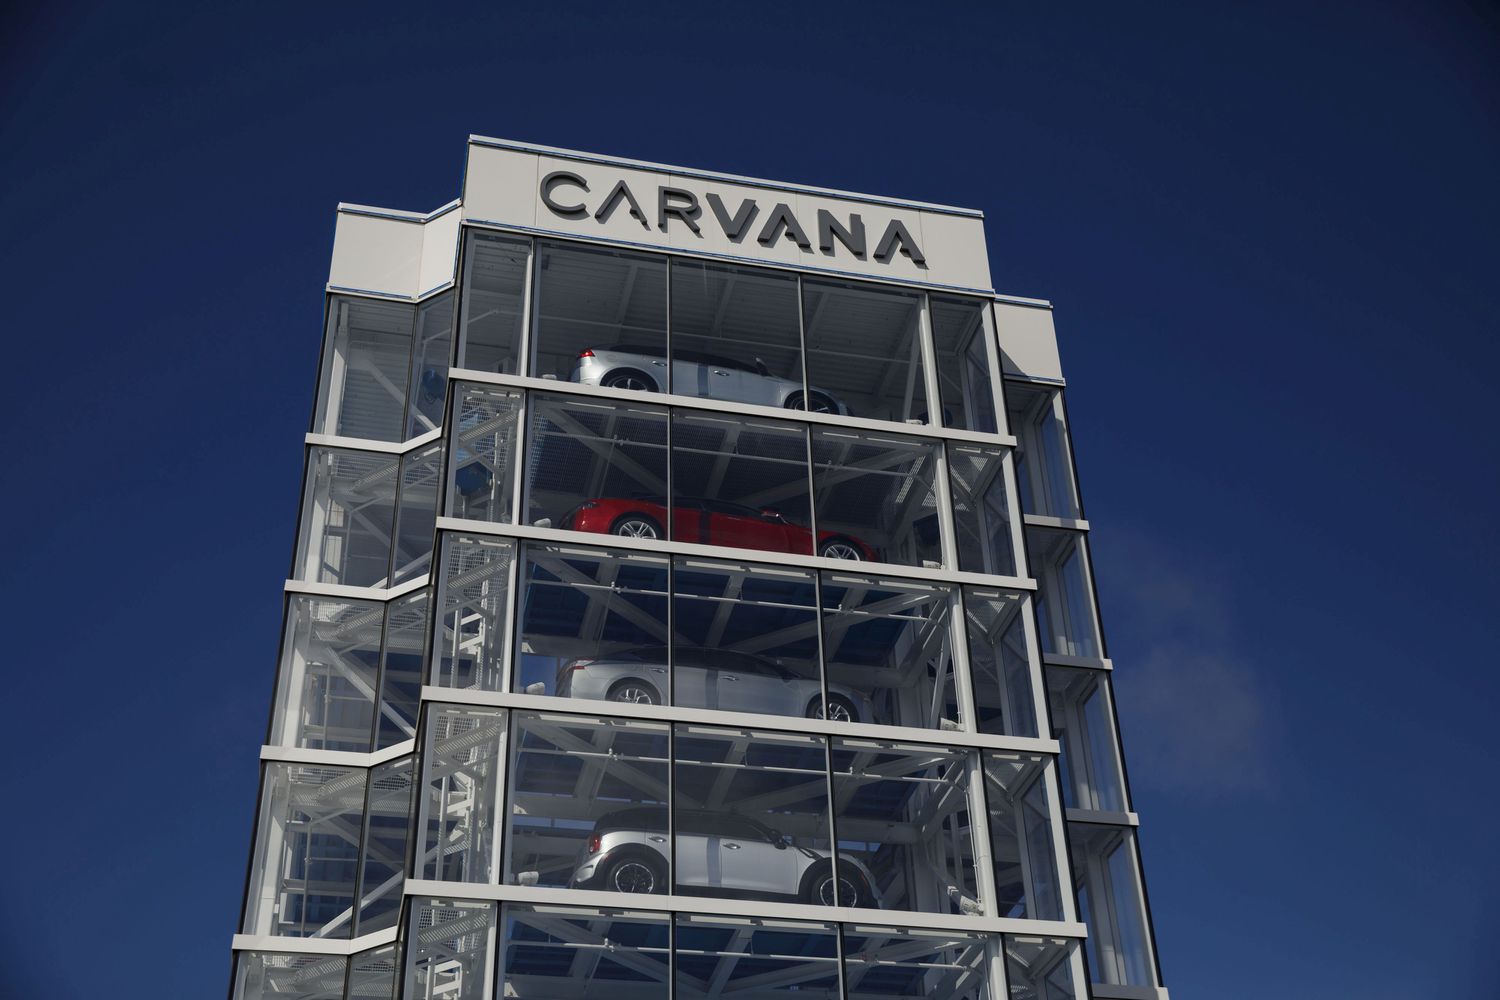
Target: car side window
x=733 y=509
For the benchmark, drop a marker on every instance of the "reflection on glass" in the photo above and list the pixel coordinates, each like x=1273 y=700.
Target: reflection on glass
x=747 y=641
x=876 y=492
x=750 y=819
x=999 y=663
x=597 y=467
x=1109 y=897
x=1021 y=844
x=1044 y=467
x=494 y=290
x=401 y=669
x=593 y=625
x=421 y=474
x=588 y=805
x=383 y=852
x=569 y=953
x=981 y=515
x=1081 y=717
x=721 y=957
x=364 y=379
x=1065 y=607
x=961 y=339
x=482 y=464
x=864 y=350
x=471 y=635
x=448 y=943
x=601 y=317
x=742 y=483
x=1038 y=968
x=888 y=647
x=892 y=962
x=903 y=828
x=429 y=368
x=374 y=974
x=264 y=975
x=463 y=759
x=348 y=512
x=330 y=665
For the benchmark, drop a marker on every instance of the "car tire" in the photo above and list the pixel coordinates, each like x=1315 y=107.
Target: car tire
x=629 y=378
x=633 y=692
x=821 y=403
x=841 y=709
x=817 y=888
x=841 y=548
x=635 y=526
x=635 y=874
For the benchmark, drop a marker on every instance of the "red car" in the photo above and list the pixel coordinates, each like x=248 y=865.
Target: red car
x=711 y=522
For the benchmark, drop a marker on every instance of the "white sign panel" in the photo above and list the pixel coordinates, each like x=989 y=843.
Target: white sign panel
x=595 y=197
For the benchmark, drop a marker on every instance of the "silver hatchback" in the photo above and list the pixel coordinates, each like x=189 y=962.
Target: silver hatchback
x=707 y=678
x=694 y=373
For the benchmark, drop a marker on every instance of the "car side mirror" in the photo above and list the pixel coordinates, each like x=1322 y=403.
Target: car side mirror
x=761 y=369
x=770 y=513
x=781 y=840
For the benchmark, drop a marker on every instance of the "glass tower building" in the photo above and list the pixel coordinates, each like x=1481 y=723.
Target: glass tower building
x=691 y=598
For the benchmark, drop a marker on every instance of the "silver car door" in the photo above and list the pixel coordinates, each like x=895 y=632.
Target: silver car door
x=692 y=845
x=690 y=377
x=749 y=686
x=750 y=862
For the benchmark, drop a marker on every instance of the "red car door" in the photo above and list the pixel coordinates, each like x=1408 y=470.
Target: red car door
x=690 y=522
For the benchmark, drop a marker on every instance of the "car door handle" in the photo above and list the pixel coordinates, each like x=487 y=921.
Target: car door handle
x=658 y=670
x=657 y=840
x=733 y=847
x=728 y=677
x=659 y=364
x=717 y=372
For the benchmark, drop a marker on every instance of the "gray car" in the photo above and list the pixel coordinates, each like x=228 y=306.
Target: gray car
x=706 y=678
x=717 y=853
x=694 y=373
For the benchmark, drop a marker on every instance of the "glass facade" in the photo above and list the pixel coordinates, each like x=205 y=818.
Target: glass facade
x=661 y=626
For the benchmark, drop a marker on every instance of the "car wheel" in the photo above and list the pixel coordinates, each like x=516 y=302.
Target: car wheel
x=819 y=403
x=634 y=693
x=820 y=890
x=629 y=378
x=636 y=526
x=840 y=709
x=634 y=875
x=840 y=548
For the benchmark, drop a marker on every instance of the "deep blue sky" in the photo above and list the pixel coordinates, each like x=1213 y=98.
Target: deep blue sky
x=1270 y=233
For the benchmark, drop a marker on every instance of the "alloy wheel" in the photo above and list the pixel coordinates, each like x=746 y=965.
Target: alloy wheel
x=842 y=550
x=636 y=527
x=634 y=876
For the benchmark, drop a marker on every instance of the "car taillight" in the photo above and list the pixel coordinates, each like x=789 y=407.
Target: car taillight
x=595 y=842
x=585 y=353
x=587 y=505
x=573 y=665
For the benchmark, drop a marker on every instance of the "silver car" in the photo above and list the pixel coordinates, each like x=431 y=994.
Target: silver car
x=718 y=853
x=706 y=678
x=694 y=373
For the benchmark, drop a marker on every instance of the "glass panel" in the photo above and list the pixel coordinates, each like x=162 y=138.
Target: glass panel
x=593 y=625
x=401 y=673
x=1109 y=899
x=306 y=856
x=1021 y=844
x=746 y=640
x=741 y=483
x=981 y=515
x=1065 y=602
x=429 y=366
x=472 y=635
x=348 y=512
x=597 y=467
x=961 y=338
x=876 y=494
x=1044 y=468
x=482 y=467
x=494 y=293
x=421 y=474
x=750 y=819
x=864 y=350
x=566 y=953
x=263 y=975
x=888 y=647
x=601 y=317
x=736 y=334
x=727 y=957
x=902 y=820
x=999 y=662
x=373 y=974
x=386 y=824
x=448 y=946
x=1081 y=718
x=936 y=965
x=463 y=760
x=588 y=804
x=364 y=379
x=1040 y=968
x=330 y=664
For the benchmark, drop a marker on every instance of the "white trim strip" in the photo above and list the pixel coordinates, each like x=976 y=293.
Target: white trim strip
x=356 y=593
x=312 y=946
x=338 y=758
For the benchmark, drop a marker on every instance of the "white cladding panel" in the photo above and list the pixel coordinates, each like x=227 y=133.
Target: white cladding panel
x=439 y=252
x=1028 y=341
x=502 y=186
x=375 y=254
